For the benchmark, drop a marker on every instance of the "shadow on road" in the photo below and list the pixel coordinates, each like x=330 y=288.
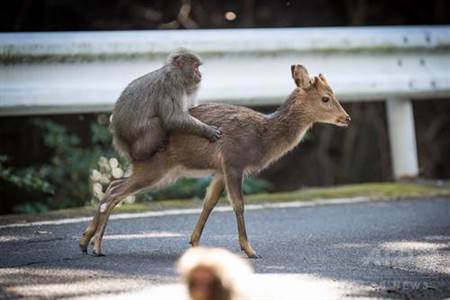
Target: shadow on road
x=359 y=253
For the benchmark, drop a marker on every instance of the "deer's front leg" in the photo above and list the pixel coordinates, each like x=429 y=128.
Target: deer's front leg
x=233 y=181
x=212 y=197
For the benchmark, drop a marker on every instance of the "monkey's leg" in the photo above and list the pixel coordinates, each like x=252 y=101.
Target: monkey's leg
x=148 y=143
x=233 y=181
x=212 y=197
x=90 y=230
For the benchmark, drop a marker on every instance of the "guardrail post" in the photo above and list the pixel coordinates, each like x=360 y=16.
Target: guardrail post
x=402 y=137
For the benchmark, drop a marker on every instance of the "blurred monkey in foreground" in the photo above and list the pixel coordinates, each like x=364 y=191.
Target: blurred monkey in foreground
x=212 y=273
x=156 y=103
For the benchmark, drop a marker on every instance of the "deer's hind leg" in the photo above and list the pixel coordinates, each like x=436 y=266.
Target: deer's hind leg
x=91 y=229
x=212 y=197
x=122 y=191
x=145 y=176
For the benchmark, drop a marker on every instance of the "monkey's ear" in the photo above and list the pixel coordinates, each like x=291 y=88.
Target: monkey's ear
x=177 y=60
x=300 y=76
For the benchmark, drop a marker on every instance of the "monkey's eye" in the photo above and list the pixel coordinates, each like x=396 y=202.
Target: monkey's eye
x=325 y=99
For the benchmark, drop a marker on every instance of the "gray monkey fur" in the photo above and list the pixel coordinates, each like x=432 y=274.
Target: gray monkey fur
x=153 y=105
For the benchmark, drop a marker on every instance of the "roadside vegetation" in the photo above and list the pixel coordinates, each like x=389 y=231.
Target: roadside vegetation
x=78 y=172
x=370 y=191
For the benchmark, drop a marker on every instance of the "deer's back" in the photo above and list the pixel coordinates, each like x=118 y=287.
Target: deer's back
x=243 y=130
x=230 y=118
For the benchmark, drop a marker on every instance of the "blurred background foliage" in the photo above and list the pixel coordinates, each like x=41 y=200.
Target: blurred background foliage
x=76 y=175
x=54 y=162
x=57 y=15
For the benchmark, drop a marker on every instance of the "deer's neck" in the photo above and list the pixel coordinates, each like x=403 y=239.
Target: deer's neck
x=287 y=126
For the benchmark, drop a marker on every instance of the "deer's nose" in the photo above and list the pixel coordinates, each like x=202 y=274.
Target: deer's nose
x=348 y=119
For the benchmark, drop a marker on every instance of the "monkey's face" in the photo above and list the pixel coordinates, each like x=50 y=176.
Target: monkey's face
x=191 y=71
x=203 y=284
x=188 y=63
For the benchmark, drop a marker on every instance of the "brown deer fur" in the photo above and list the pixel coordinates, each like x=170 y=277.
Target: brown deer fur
x=250 y=142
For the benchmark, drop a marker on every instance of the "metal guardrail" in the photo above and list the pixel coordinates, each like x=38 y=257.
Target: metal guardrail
x=80 y=72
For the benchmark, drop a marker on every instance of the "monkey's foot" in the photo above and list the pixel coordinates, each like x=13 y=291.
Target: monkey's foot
x=163 y=146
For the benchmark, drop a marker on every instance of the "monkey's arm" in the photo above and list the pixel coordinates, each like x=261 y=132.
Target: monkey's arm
x=188 y=124
x=174 y=118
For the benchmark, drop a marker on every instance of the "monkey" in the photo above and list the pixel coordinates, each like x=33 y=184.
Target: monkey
x=153 y=105
x=213 y=273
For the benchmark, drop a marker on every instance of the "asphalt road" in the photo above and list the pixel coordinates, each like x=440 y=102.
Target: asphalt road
x=369 y=249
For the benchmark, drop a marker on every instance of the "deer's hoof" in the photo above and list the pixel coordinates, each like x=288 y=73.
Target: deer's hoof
x=83 y=249
x=254 y=256
x=98 y=254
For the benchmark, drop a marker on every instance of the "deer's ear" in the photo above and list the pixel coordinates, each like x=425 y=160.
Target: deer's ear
x=300 y=76
x=323 y=78
x=315 y=81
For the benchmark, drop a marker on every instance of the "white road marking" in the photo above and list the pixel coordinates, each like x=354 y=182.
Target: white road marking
x=142 y=235
x=190 y=211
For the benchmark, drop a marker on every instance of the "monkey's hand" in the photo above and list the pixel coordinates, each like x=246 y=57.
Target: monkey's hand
x=213 y=133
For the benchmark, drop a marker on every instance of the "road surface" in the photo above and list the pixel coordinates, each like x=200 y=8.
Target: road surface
x=365 y=249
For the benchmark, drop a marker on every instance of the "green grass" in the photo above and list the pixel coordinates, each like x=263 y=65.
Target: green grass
x=371 y=190
x=374 y=191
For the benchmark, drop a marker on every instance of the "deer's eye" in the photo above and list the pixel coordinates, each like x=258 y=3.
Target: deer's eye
x=325 y=99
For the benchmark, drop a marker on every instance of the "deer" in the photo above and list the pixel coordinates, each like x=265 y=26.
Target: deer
x=251 y=141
